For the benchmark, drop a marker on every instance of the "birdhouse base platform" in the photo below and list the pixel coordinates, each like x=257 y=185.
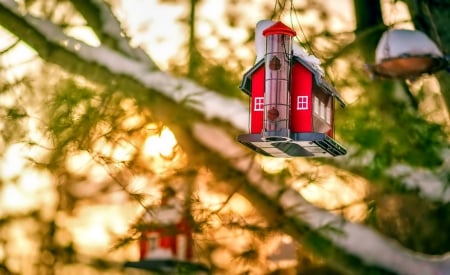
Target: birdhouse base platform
x=300 y=145
x=168 y=266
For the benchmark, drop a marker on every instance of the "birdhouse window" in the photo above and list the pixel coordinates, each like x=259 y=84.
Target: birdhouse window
x=181 y=246
x=328 y=115
x=259 y=104
x=302 y=103
x=153 y=240
x=322 y=110
x=316 y=105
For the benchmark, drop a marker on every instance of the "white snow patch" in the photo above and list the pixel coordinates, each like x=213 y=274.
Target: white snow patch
x=414 y=178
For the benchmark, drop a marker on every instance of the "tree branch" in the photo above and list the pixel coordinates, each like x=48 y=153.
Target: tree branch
x=299 y=218
x=102 y=21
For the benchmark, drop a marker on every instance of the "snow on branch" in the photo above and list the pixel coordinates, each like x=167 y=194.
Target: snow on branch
x=430 y=184
x=100 y=18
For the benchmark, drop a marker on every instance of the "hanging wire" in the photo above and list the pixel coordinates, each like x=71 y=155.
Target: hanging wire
x=292 y=14
x=282 y=5
x=391 y=18
x=307 y=43
x=274 y=10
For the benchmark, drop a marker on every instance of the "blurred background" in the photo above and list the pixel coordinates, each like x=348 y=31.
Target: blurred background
x=80 y=163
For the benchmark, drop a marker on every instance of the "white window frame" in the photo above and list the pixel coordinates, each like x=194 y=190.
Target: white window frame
x=328 y=115
x=153 y=241
x=258 y=104
x=302 y=102
x=181 y=246
x=322 y=111
x=316 y=105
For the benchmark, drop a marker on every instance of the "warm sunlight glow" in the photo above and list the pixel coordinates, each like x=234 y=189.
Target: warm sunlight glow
x=133 y=122
x=31 y=191
x=335 y=194
x=13 y=199
x=17 y=60
x=215 y=201
x=161 y=144
x=148 y=25
x=145 y=185
x=120 y=151
x=210 y=200
x=330 y=188
x=271 y=165
x=79 y=162
x=396 y=12
x=123 y=151
x=14 y=161
x=94 y=227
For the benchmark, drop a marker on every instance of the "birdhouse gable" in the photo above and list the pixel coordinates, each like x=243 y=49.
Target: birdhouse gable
x=319 y=80
x=164 y=215
x=246 y=84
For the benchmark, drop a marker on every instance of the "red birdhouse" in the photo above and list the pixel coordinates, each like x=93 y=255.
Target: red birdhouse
x=166 y=243
x=168 y=235
x=291 y=104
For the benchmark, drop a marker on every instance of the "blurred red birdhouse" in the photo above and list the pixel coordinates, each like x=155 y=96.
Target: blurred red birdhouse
x=166 y=243
x=291 y=104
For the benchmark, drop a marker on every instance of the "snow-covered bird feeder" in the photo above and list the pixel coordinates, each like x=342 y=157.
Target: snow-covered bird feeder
x=166 y=243
x=291 y=104
x=406 y=54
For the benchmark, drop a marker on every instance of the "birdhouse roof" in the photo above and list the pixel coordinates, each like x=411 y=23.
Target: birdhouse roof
x=319 y=80
x=279 y=28
x=165 y=214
